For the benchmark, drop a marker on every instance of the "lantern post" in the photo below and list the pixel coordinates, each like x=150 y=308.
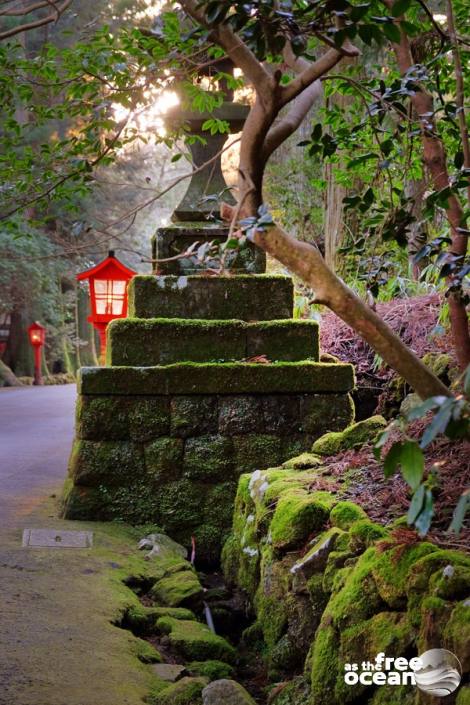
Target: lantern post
x=37 y=338
x=108 y=282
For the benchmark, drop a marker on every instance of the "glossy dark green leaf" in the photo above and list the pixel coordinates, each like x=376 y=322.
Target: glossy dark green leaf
x=416 y=504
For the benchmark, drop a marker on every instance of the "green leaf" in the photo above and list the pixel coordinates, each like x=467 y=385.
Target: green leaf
x=400 y=7
x=381 y=441
x=466 y=382
x=392 y=32
x=412 y=463
x=423 y=522
x=463 y=505
x=358 y=11
x=392 y=459
x=416 y=505
x=438 y=424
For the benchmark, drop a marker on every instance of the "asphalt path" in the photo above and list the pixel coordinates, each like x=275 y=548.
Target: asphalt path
x=36 y=432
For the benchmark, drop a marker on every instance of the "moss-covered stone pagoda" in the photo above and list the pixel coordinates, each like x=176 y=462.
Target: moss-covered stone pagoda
x=180 y=412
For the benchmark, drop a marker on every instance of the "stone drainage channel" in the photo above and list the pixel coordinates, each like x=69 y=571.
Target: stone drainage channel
x=205 y=634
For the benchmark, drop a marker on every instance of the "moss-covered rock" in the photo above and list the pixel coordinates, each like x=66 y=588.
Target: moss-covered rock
x=457 y=633
x=354 y=436
x=174 y=612
x=297 y=516
x=364 y=533
x=195 y=641
x=179 y=588
x=186 y=691
x=304 y=461
x=145 y=652
x=213 y=670
x=345 y=514
x=324 y=664
x=391 y=570
x=226 y=692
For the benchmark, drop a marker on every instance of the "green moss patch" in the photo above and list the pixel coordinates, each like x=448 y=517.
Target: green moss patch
x=195 y=641
x=213 y=670
x=181 y=587
x=354 y=436
x=186 y=691
x=296 y=517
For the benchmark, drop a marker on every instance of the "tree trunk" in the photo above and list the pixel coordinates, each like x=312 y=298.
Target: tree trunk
x=8 y=377
x=435 y=160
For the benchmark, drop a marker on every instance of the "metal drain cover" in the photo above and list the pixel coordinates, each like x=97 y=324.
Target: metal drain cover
x=51 y=538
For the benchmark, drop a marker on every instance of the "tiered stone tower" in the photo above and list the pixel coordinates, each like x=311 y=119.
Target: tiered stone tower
x=166 y=428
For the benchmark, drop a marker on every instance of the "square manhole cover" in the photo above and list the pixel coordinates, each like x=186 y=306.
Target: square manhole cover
x=51 y=538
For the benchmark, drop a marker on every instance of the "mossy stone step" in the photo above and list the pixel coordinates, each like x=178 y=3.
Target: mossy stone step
x=163 y=341
x=218 y=378
x=248 y=297
x=195 y=641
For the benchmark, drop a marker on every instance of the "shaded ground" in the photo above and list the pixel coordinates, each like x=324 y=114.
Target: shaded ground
x=57 y=643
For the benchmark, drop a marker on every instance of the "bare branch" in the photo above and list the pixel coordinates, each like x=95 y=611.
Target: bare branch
x=40 y=22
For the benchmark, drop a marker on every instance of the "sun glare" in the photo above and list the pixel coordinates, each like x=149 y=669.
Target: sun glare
x=149 y=118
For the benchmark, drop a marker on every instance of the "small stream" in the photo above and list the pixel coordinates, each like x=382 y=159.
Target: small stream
x=227 y=614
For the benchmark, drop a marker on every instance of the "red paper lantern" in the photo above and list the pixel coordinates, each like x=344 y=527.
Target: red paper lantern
x=108 y=293
x=37 y=338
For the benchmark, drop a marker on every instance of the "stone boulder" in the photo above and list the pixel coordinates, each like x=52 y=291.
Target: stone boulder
x=226 y=692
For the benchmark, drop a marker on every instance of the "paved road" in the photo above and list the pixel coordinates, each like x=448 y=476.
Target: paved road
x=36 y=431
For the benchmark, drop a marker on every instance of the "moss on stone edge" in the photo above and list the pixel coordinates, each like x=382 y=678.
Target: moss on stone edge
x=163 y=341
x=354 y=436
x=180 y=588
x=195 y=641
x=217 y=378
x=186 y=691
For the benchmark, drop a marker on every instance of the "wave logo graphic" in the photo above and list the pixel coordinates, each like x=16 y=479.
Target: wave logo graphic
x=439 y=672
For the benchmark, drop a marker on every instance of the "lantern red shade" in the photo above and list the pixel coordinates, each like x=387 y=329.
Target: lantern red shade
x=108 y=293
x=37 y=338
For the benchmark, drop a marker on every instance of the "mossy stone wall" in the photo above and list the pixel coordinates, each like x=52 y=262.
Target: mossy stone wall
x=175 y=459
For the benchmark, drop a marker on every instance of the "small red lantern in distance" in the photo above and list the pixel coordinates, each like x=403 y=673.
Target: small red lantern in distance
x=108 y=293
x=37 y=338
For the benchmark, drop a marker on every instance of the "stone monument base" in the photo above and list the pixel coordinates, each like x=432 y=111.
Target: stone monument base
x=164 y=432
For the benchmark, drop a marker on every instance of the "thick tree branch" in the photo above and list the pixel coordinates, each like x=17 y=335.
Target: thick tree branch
x=312 y=73
x=236 y=49
x=289 y=123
